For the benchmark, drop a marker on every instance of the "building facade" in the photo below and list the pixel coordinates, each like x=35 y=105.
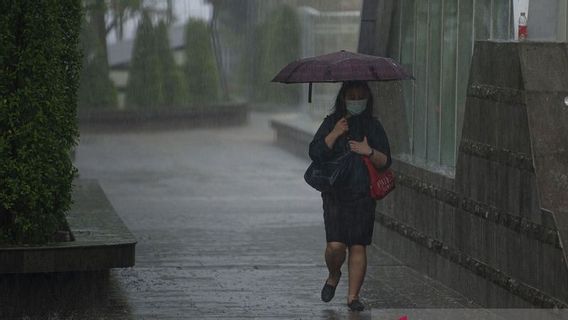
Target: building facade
x=478 y=146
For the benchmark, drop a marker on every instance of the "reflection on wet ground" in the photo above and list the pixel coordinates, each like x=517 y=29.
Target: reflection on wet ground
x=226 y=229
x=72 y=295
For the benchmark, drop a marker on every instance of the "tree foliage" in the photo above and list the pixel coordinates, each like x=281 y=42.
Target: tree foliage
x=200 y=67
x=154 y=80
x=40 y=63
x=173 y=83
x=96 y=90
x=278 y=44
x=144 y=88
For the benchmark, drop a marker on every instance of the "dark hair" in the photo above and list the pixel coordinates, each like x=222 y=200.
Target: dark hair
x=340 y=110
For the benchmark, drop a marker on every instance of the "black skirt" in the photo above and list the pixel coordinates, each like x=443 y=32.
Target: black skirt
x=349 y=218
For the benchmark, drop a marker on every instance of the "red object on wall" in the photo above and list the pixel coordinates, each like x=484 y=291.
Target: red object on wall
x=523 y=30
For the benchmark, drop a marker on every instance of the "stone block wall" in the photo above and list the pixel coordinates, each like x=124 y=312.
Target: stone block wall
x=496 y=231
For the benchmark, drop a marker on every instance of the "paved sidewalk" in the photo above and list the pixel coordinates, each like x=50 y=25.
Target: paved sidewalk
x=227 y=228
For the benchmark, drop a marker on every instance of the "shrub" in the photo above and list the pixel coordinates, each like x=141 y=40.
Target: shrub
x=154 y=80
x=144 y=88
x=200 y=67
x=279 y=44
x=39 y=76
x=173 y=83
x=96 y=90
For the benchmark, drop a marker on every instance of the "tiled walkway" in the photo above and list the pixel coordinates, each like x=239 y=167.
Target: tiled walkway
x=227 y=228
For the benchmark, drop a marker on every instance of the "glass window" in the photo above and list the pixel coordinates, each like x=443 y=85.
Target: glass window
x=435 y=42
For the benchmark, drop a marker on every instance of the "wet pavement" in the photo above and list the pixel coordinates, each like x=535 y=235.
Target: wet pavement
x=226 y=228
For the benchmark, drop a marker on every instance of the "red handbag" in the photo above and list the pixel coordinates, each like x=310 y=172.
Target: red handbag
x=381 y=182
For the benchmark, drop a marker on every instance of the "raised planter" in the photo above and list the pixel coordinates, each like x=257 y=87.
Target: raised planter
x=197 y=116
x=294 y=132
x=101 y=240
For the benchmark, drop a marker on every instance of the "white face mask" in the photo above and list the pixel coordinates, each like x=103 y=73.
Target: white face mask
x=355 y=107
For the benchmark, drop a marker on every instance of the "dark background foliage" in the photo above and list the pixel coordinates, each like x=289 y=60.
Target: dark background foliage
x=96 y=90
x=40 y=63
x=200 y=68
x=279 y=44
x=144 y=88
x=154 y=80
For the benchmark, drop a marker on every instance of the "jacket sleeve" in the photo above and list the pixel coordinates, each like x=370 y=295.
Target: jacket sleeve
x=380 y=142
x=319 y=151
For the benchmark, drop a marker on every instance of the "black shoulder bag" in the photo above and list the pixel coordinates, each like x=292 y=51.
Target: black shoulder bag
x=323 y=176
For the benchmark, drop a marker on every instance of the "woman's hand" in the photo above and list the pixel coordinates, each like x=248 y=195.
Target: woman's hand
x=340 y=127
x=361 y=148
x=378 y=159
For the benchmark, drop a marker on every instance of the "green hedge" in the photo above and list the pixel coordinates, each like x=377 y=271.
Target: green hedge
x=39 y=74
x=144 y=87
x=200 y=68
x=96 y=90
x=154 y=80
x=173 y=82
x=278 y=44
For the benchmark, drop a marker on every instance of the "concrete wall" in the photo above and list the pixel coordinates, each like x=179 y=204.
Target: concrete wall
x=496 y=231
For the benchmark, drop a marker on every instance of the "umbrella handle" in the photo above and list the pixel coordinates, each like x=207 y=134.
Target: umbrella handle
x=310 y=93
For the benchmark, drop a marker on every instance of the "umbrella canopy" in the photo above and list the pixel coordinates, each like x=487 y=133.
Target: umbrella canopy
x=341 y=66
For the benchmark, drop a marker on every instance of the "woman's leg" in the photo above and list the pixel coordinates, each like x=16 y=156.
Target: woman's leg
x=334 y=258
x=357 y=269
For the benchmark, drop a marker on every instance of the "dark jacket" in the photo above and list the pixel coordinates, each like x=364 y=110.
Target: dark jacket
x=359 y=126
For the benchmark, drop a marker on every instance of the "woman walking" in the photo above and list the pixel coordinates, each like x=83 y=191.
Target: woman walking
x=349 y=210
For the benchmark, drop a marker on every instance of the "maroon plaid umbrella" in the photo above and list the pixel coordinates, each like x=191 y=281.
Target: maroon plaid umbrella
x=341 y=66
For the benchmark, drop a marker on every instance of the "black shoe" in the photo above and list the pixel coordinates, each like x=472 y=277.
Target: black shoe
x=328 y=291
x=356 y=305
